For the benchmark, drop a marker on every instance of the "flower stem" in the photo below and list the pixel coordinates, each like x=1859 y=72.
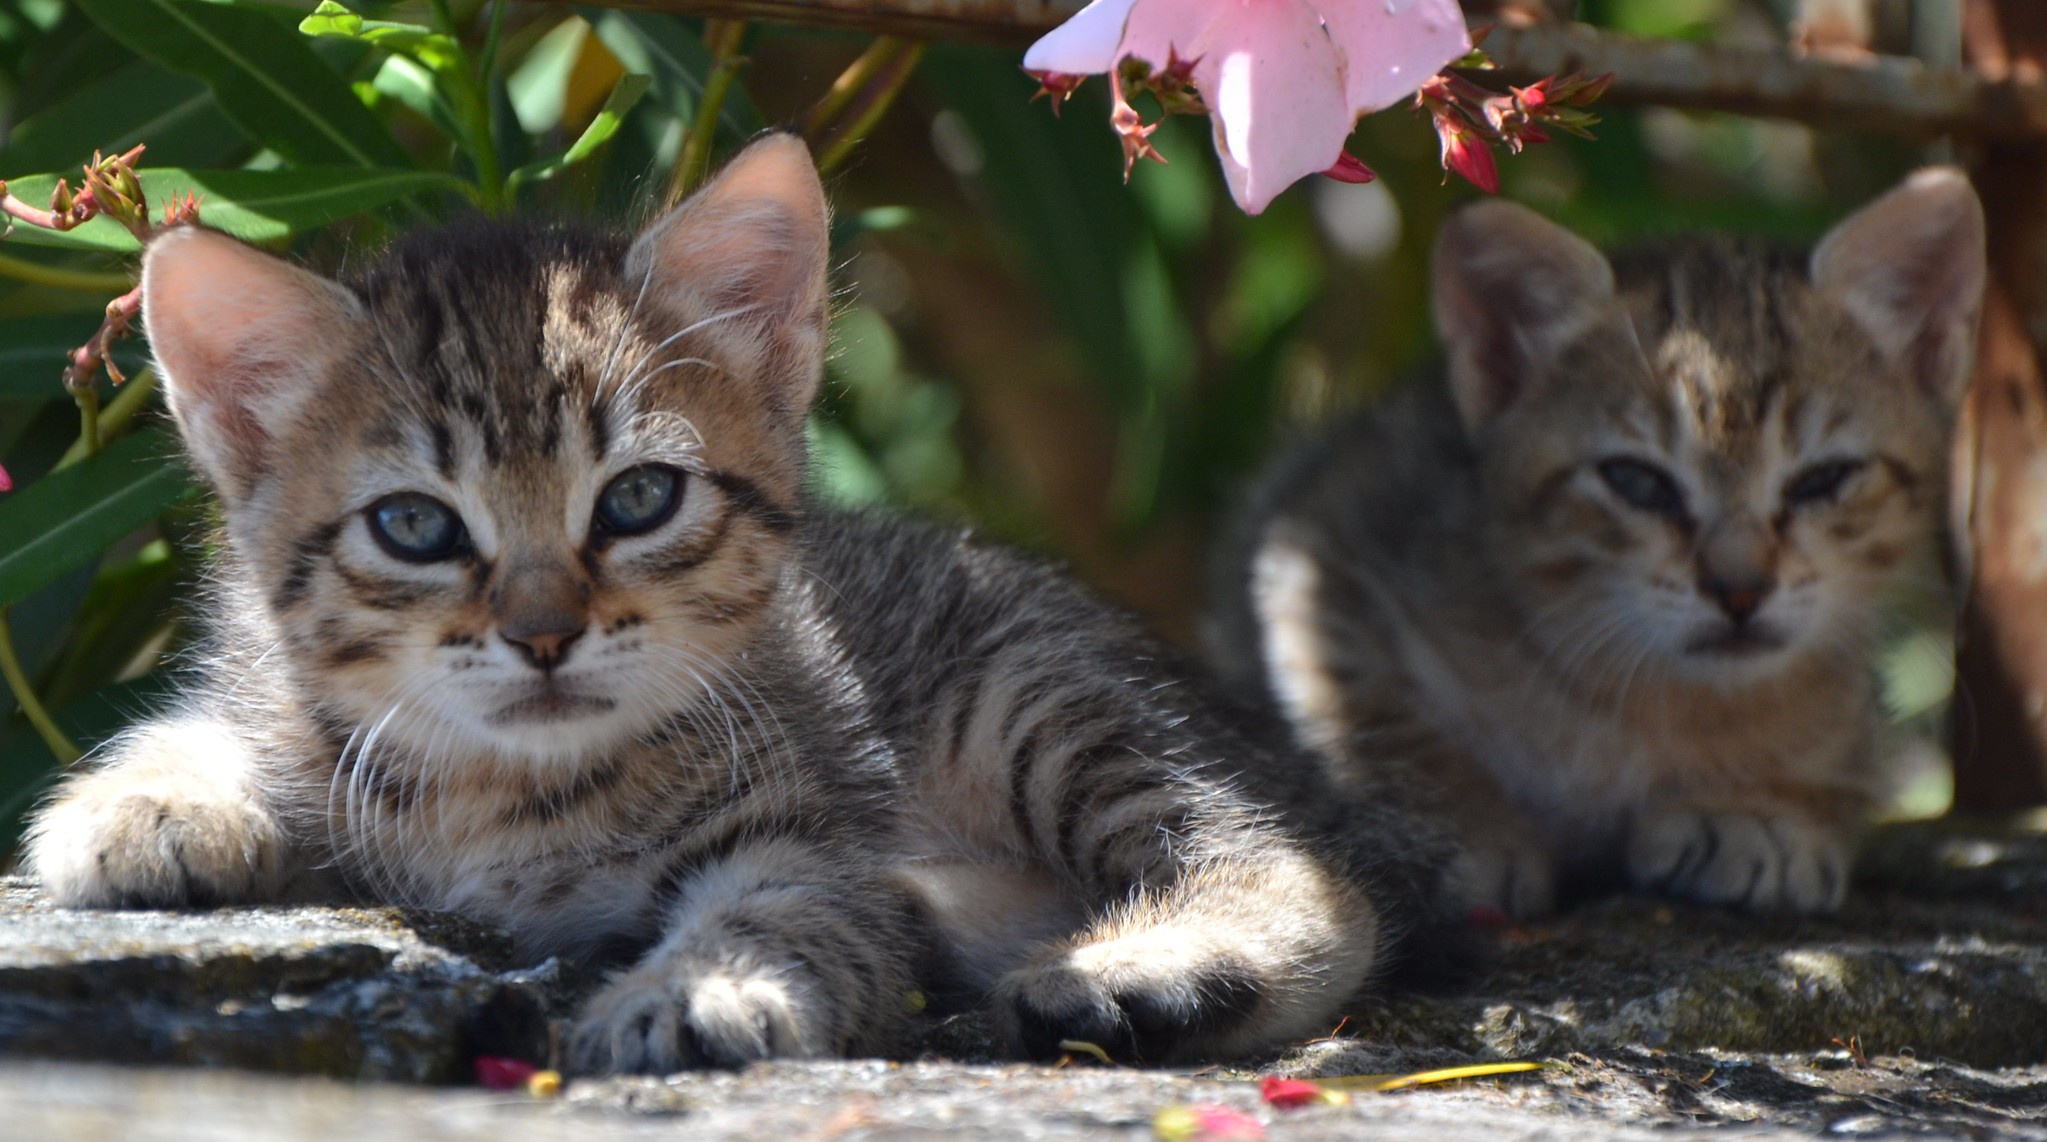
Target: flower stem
x=84 y=281
x=115 y=419
x=875 y=100
x=31 y=706
x=723 y=38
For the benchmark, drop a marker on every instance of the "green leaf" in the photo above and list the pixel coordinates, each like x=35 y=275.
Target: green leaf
x=258 y=206
x=143 y=102
x=32 y=353
x=436 y=50
x=66 y=519
x=657 y=44
x=268 y=80
x=623 y=95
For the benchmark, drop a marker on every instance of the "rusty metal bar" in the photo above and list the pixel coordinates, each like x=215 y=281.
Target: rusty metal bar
x=1885 y=93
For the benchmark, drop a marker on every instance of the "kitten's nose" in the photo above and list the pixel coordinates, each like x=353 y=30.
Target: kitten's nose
x=1740 y=595
x=543 y=639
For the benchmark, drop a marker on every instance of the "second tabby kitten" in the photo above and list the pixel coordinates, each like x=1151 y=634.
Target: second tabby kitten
x=1613 y=589
x=524 y=613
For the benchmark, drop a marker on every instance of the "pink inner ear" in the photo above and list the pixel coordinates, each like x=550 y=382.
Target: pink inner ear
x=756 y=237
x=240 y=339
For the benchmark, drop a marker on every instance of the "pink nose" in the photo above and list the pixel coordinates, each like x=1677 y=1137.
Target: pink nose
x=544 y=645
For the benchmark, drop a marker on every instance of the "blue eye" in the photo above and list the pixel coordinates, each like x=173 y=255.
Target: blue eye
x=416 y=528
x=1644 y=485
x=640 y=499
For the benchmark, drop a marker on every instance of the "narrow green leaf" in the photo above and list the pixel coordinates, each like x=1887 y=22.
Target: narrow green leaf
x=623 y=95
x=32 y=353
x=65 y=519
x=143 y=102
x=268 y=79
x=657 y=44
x=259 y=206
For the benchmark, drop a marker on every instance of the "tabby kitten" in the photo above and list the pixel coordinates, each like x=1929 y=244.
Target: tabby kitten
x=1613 y=590
x=523 y=613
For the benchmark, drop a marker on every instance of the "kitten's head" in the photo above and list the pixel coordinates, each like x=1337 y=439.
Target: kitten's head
x=1711 y=458
x=511 y=488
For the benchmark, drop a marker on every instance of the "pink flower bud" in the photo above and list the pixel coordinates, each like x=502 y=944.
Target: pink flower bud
x=1467 y=154
x=6 y=481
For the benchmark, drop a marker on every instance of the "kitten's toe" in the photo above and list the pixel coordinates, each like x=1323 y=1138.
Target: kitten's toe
x=1762 y=863
x=1141 y=999
x=113 y=844
x=669 y=1016
x=1518 y=880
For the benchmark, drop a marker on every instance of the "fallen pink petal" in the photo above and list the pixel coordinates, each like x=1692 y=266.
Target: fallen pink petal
x=498 y=1073
x=6 y=481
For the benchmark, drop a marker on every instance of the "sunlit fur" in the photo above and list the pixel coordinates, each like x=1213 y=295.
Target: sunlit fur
x=1450 y=581
x=790 y=764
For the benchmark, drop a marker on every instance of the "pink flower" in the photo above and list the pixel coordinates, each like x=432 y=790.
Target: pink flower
x=6 y=482
x=1284 y=81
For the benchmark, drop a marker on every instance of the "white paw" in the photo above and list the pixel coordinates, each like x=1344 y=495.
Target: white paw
x=1518 y=879
x=672 y=1013
x=1758 y=862
x=117 y=839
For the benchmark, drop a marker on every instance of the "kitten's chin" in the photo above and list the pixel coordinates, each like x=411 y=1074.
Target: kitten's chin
x=1735 y=656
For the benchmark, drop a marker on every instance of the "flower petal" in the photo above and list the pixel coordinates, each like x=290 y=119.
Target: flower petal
x=1161 y=31
x=1271 y=77
x=1389 y=48
x=1088 y=44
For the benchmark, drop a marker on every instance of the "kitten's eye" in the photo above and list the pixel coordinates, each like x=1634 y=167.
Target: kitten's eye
x=1644 y=485
x=1820 y=483
x=415 y=527
x=639 y=500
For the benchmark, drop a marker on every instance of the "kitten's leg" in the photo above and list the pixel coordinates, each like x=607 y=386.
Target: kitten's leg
x=1506 y=862
x=175 y=814
x=784 y=949
x=1236 y=953
x=1761 y=856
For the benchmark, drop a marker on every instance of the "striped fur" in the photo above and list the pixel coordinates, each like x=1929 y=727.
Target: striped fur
x=1616 y=585
x=780 y=765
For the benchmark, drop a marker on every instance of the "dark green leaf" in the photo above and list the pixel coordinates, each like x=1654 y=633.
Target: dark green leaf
x=626 y=93
x=141 y=103
x=259 y=206
x=32 y=353
x=661 y=46
x=65 y=519
x=267 y=78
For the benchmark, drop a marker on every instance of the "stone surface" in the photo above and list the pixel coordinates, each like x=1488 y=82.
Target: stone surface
x=1922 y=1009
x=375 y=993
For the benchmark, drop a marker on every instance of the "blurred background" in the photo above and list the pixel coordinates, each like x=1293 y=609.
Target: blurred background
x=1081 y=367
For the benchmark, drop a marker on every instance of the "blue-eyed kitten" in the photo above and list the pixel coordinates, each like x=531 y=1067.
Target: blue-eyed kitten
x=523 y=612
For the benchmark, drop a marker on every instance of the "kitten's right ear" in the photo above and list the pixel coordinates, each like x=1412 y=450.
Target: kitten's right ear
x=749 y=251
x=242 y=341
x=1910 y=268
x=1510 y=288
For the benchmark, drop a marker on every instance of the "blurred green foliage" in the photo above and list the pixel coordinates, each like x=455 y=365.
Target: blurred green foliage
x=1082 y=366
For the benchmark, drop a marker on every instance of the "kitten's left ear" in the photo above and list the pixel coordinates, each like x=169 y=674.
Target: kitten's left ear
x=746 y=257
x=1909 y=268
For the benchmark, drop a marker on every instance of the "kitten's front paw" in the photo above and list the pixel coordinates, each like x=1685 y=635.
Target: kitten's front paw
x=1758 y=862
x=115 y=841
x=1518 y=879
x=673 y=1013
x=1142 y=997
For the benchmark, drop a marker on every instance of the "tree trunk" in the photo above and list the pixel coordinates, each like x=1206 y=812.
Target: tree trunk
x=2000 y=472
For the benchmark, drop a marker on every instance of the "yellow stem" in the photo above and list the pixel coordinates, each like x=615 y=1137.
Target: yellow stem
x=879 y=97
x=31 y=706
x=115 y=418
x=818 y=121
x=84 y=281
x=723 y=38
